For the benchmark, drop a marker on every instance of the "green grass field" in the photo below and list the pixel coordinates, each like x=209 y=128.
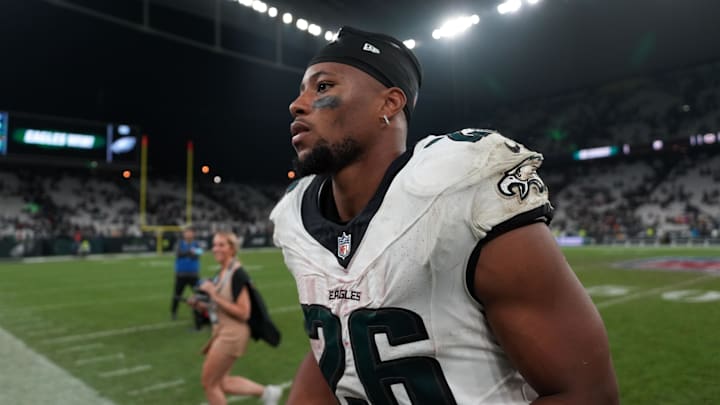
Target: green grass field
x=106 y=322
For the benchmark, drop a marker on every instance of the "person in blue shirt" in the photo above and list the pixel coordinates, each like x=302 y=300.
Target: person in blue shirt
x=187 y=270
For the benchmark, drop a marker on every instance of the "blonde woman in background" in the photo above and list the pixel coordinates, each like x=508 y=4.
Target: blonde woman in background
x=230 y=310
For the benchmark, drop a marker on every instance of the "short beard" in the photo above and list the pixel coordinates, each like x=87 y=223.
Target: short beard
x=326 y=158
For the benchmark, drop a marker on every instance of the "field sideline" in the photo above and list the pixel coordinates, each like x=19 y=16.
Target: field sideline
x=103 y=323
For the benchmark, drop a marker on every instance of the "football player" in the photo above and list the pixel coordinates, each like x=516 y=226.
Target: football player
x=426 y=275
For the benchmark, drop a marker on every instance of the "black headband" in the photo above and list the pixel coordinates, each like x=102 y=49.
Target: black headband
x=381 y=56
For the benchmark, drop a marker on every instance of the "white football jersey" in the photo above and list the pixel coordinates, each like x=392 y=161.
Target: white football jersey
x=387 y=297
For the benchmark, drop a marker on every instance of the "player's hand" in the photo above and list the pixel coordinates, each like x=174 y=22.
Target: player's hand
x=191 y=301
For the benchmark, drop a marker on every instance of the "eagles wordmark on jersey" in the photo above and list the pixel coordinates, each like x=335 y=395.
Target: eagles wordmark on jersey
x=387 y=297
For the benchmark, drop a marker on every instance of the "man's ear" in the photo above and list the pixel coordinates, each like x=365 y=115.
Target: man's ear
x=395 y=101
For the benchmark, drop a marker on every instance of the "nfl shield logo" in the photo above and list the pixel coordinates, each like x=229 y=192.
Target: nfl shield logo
x=344 y=245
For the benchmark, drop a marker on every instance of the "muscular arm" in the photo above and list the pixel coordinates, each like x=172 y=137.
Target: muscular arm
x=309 y=385
x=544 y=319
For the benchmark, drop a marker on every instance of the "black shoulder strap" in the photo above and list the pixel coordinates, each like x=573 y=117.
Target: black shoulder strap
x=239 y=279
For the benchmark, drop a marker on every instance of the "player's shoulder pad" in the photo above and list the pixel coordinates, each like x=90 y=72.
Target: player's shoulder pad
x=465 y=157
x=293 y=196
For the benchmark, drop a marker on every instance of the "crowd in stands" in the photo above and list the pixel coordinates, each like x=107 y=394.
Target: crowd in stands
x=649 y=198
x=638 y=111
x=654 y=196
x=43 y=203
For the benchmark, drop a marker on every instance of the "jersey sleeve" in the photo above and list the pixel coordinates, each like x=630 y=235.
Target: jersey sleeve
x=508 y=192
x=494 y=179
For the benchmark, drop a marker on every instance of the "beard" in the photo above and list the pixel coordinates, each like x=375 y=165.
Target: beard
x=326 y=158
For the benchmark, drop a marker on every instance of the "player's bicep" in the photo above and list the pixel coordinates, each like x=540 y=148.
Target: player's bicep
x=543 y=318
x=309 y=385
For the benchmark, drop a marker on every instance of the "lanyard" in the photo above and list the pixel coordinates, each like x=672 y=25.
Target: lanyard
x=228 y=272
x=212 y=310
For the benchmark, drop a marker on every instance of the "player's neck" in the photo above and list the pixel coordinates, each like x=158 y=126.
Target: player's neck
x=355 y=185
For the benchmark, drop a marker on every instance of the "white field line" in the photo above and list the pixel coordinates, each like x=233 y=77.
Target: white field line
x=142 y=328
x=113 y=257
x=49 y=307
x=281 y=310
x=45 y=331
x=125 y=371
x=17 y=316
x=27 y=326
x=101 y=257
x=274 y=284
x=21 y=370
x=653 y=291
x=113 y=332
x=81 y=348
x=157 y=387
x=79 y=289
x=99 y=359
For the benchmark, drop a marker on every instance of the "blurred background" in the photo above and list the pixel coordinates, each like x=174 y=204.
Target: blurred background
x=637 y=83
x=123 y=120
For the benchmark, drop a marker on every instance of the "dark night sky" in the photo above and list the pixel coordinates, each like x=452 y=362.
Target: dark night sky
x=60 y=62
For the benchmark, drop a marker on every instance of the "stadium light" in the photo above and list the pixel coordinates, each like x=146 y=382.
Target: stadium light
x=287 y=18
x=273 y=12
x=259 y=6
x=247 y=3
x=217 y=179
x=455 y=26
x=533 y=1
x=509 y=6
x=410 y=43
x=314 y=29
x=329 y=36
x=302 y=24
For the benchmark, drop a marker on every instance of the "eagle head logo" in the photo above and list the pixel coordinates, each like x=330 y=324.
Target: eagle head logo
x=520 y=179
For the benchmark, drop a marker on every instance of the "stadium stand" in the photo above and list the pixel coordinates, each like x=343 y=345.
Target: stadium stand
x=656 y=197
x=637 y=111
x=44 y=204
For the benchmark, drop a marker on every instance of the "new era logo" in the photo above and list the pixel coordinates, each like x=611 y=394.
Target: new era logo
x=368 y=47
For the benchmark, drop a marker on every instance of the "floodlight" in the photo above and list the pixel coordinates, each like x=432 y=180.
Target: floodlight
x=455 y=26
x=287 y=18
x=302 y=24
x=329 y=36
x=273 y=12
x=509 y=6
x=314 y=29
x=247 y=3
x=533 y=1
x=410 y=43
x=259 y=6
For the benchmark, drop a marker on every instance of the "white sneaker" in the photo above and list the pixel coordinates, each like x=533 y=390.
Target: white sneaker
x=271 y=395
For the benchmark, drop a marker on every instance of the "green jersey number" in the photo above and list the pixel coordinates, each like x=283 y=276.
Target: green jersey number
x=466 y=135
x=421 y=376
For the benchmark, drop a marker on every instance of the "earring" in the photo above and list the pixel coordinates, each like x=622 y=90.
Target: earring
x=387 y=121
